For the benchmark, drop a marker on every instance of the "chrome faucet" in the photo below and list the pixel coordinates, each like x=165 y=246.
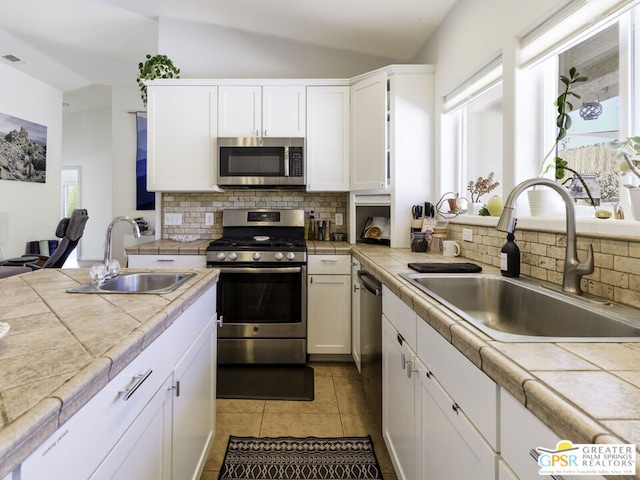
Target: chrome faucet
x=107 y=245
x=573 y=269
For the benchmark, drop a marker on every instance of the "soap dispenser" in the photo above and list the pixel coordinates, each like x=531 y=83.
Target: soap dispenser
x=313 y=228
x=510 y=258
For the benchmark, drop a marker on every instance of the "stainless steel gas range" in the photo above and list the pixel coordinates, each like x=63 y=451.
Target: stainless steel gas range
x=262 y=291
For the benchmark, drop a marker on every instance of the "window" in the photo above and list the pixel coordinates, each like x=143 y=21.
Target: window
x=70 y=190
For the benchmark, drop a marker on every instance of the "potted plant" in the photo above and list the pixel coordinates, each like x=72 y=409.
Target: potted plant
x=478 y=188
x=628 y=157
x=157 y=66
x=537 y=201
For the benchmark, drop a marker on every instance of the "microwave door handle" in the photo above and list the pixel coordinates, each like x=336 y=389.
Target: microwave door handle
x=286 y=161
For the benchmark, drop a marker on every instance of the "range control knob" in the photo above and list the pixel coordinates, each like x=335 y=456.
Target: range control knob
x=233 y=256
x=278 y=256
x=221 y=256
x=256 y=256
x=291 y=256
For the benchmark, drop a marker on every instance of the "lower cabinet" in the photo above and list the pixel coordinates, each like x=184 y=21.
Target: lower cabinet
x=398 y=401
x=355 y=314
x=431 y=433
x=167 y=261
x=154 y=420
x=449 y=444
x=329 y=304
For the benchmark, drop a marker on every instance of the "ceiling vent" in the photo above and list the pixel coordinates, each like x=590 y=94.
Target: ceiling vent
x=12 y=59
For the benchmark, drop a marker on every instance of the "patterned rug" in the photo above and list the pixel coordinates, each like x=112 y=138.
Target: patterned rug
x=311 y=458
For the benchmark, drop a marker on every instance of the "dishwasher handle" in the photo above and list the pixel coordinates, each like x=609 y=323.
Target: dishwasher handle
x=370 y=282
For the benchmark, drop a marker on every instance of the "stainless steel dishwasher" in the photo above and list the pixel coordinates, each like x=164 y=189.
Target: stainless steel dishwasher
x=371 y=343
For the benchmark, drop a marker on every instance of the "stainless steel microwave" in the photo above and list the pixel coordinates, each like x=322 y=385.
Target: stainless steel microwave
x=261 y=162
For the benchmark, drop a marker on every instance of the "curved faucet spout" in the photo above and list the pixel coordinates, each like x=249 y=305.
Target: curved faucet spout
x=573 y=269
x=107 y=245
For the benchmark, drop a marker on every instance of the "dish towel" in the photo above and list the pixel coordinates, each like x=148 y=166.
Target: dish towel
x=442 y=267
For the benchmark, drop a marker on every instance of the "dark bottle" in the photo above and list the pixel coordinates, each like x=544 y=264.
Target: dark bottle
x=510 y=258
x=313 y=227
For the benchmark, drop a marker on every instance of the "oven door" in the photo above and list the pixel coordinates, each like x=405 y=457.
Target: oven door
x=262 y=302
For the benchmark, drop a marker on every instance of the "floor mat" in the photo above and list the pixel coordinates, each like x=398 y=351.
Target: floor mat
x=288 y=458
x=265 y=382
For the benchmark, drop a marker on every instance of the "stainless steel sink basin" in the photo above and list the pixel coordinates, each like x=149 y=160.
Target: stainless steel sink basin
x=519 y=310
x=142 y=282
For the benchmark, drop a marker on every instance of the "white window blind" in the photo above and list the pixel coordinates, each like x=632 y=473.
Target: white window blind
x=488 y=76
x=568 y=25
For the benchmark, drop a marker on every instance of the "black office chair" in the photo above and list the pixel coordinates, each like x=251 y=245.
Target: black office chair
x=69 y=231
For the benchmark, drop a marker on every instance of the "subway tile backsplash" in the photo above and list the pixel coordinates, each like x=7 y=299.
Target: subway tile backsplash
x=617 y=262
x=193 y=207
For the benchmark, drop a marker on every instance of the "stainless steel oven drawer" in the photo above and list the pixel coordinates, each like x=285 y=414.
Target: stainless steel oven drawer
x=262 y=350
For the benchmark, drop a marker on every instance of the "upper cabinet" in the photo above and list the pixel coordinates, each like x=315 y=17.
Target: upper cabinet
x=369 y=160
x=327 y=150
x=261 y=111
x=181 y=138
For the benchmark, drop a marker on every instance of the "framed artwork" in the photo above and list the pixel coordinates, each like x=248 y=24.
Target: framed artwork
x=23 y=150
x=144 y=200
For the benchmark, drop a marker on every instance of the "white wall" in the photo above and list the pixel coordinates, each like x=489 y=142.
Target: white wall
x=206 y=51
x=471 y=35
x=33 y=209
x=86 y=143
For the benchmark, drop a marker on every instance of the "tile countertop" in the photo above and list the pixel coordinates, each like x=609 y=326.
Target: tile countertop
x=584 y=392
x=59 y=351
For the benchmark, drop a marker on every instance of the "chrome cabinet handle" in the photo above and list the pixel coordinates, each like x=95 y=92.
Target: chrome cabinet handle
x=167 y=260
x=536 y=455
x=138 y=380
x=220 y=321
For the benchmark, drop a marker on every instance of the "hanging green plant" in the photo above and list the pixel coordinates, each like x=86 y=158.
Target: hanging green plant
x=157 y=66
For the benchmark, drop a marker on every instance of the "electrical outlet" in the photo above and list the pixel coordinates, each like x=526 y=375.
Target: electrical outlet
x=209 y=218
x=173 y=219
x=339 y=219
x=467 y=235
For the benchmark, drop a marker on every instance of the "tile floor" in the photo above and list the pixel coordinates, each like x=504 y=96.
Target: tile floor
x=338 y=409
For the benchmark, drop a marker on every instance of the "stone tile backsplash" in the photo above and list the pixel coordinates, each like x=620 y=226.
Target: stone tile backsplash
x=617 y=262
x=193 y=207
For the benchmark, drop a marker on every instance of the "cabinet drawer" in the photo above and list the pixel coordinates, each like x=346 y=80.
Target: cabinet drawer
x=472 y=389
x=401 y=316
x=329 y=264
x=167 y=261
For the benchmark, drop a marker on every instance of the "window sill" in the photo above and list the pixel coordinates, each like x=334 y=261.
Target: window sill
x=586 y=226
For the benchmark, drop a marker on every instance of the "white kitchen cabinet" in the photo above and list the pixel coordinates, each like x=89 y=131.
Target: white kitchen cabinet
x=392 y=145
x=449 y=445
x=327 y=150
x=472 y=389
x=329 y=304
x=261 y=111
x=369 y=166
x=356 y=286
x=398 y=401
x=167 y=261
x=182 y=138
x=149 y=438
x=129 y=429
x=520 y=432
x=194 y=406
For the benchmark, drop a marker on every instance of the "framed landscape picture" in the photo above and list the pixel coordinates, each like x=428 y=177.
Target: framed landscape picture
x=23 y=150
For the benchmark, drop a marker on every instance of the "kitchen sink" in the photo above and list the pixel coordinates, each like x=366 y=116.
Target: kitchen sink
x=142 y=282
x=523 y=310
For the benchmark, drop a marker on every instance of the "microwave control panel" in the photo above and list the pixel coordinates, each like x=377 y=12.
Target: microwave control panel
x=295 y=162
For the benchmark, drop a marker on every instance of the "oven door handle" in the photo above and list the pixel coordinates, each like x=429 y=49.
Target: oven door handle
x=260 y=270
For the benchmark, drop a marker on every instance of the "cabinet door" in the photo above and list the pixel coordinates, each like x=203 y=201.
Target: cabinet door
x=283 y=111
x=328 y=139
x=369 y=167
x=329 y=314
x=194 y=406
x=450 y=446
x=181 y=139
x=144 y=451
x=398 y=401
x=239 y=111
